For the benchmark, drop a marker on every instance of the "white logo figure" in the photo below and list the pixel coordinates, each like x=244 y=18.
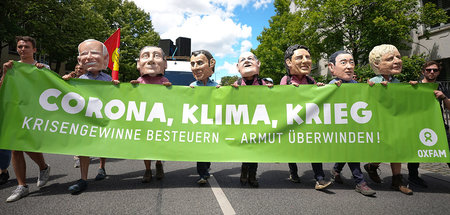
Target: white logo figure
x=428 y=137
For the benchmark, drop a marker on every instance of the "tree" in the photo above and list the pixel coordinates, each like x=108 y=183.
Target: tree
x=326 y=26
x=59 y=26
x=228 y=80
x=273 y=42
x=136 y=32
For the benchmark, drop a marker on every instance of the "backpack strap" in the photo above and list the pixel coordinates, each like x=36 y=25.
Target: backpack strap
x=239 y=81
x=309 y=80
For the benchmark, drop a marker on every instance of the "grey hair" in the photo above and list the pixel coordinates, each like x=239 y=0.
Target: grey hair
x=377 y=52
x=105 y=50
x=256 y=58
x=162 y=51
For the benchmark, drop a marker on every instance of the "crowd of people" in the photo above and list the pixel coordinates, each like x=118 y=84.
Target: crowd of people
x=93 y=58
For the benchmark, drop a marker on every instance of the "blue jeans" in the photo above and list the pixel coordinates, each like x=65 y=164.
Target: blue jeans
x=354 y=167
x=317 y=168
x=5 y=158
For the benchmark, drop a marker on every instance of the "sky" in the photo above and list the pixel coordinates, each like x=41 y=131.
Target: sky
x=226 y=28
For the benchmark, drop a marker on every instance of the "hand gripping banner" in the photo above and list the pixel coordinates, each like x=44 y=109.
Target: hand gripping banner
x=40 y=112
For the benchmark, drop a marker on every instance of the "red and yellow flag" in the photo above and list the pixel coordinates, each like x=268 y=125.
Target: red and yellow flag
x=112 y=44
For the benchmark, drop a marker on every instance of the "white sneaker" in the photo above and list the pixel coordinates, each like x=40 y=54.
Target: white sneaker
x=43 y=177
x=19 y=192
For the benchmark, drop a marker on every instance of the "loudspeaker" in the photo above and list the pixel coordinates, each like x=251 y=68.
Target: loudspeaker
x=166 y=45
x=184 y=46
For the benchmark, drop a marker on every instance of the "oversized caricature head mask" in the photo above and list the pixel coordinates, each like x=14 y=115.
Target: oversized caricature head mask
x=342 y=65
x=93 y=55
x=248 y=65
x=152 y=61
x=385 y=60
x=297 y=60
x=202 y=65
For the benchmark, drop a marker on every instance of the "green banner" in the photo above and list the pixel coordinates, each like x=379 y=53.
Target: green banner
x=40 y=112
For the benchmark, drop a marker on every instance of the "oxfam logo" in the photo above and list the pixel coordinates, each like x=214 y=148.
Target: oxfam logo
x=428 y=137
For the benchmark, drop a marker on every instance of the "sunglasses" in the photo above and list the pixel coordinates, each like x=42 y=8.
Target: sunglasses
x=434 y=70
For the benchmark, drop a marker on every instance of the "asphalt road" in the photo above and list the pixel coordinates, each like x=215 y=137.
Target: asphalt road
x=123 y=193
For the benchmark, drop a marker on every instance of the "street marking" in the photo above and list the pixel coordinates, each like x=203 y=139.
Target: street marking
x=225 y=205
x=229 y=138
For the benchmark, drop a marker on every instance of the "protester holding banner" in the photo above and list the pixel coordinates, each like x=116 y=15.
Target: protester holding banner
x=151 y=65
x=93 y=57
x=342 y=65
x=385 y=60
x=430 y=72
x=297 y=61
x=79 y=71
x=5 y=159
x=248 y=66
x=26 y=47
x=202 y=67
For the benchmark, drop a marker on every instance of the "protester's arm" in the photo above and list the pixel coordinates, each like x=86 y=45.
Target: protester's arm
x=6 y=66
x=440 y=95
x=69 y=76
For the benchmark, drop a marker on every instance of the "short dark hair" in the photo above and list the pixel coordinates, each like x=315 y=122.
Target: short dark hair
x=334 y=56
x=429 y=63
x=26 y=39
x=290 y=51
x=206 y=53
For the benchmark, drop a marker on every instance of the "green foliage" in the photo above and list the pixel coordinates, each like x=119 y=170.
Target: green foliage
x=228 y=80
x=326 y=26
x=59 y=26
x=411 y=70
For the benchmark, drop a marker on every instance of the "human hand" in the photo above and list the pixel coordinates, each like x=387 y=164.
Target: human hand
x=235 y=85
x=320 y=84
x=371 y=83
x=439 y=94
x=134 y=82
x=269 y=85
x=66 y=77
x=167 y=84
x=6 y=66
x=295 y=84
x=39 y=65
x=115 y=82
x=218 y=86
x=384 y=83
x=413 y=82
x=338 y=83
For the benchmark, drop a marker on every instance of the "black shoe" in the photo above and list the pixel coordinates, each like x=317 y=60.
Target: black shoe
x=336 y=176
x=373 y=174
x=4 y=177
x=101 y=174
x=418 y=181
x=252 y=181
x=294 y=178
x=79 y=187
